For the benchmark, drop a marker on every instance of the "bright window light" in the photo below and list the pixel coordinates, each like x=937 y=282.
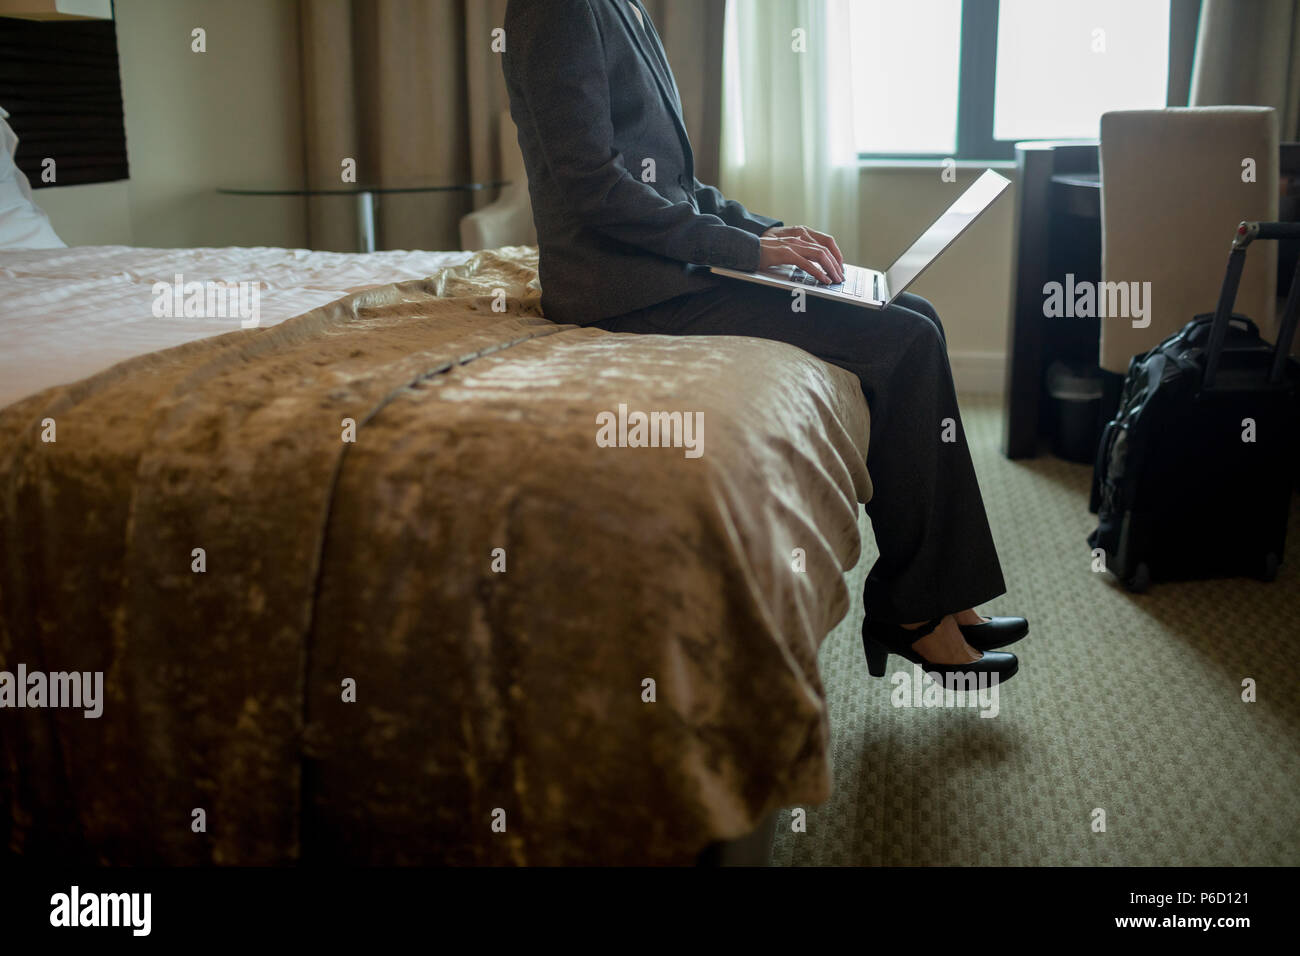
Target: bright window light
x=1064 y=63
x=904 y=69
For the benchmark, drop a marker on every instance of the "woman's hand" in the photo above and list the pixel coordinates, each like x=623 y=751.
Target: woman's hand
x=814 y=252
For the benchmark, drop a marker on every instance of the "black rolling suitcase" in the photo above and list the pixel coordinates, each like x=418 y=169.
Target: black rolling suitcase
x=1193 y=475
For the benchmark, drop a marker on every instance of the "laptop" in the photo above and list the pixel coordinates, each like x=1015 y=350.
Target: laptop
x=875 y=290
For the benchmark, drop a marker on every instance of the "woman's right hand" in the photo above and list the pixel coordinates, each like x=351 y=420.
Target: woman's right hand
x=810 y=256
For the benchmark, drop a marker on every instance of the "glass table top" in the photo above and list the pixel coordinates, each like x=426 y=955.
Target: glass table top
x=356 y=189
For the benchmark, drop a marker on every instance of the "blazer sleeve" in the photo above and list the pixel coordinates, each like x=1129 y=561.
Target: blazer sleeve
x=559 y=54
x=712 y=202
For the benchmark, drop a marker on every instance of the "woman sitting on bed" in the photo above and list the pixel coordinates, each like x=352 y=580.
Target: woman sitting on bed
x=592 y=94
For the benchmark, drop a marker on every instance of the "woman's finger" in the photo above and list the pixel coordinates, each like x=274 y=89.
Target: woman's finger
x=826 y=259
x=830 y=243
x=809 y=266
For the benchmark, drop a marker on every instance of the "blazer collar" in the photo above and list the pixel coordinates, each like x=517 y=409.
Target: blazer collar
x=663 y=78
x=656 y=48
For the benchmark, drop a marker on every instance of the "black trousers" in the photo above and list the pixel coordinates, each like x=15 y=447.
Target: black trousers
x=936 y=551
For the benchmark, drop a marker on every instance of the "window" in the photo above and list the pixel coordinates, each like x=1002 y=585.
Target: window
x=905 y=64
x=968 y=78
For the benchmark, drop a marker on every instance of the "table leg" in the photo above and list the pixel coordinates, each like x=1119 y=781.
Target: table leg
x=366 y=221
x=1020 y=397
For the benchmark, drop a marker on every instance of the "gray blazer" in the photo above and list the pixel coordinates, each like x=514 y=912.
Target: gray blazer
x=593 y=98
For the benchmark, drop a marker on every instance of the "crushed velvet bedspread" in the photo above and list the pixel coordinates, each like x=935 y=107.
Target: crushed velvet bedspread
x=500 y=717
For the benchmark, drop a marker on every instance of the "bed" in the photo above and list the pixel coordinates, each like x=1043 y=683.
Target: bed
x=364 y=586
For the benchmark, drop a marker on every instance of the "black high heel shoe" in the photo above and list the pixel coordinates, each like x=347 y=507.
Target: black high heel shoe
x=879 y=640
x=995 y=632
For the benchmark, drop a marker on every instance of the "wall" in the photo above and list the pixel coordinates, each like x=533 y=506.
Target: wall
x=98 y=214
x=196 y=122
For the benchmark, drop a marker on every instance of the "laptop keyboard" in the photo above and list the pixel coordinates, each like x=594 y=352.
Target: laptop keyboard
x=854 y=284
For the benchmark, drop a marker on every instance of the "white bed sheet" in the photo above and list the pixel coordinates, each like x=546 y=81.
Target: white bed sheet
x=69 y=313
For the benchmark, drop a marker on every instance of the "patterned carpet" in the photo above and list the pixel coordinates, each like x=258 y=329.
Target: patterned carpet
x=1127 y=703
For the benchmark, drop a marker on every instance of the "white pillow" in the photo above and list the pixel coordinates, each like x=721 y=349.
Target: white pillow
x=23 y=224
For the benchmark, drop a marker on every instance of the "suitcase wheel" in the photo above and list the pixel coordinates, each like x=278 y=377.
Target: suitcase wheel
x=1269 y=571
x=1140 y=580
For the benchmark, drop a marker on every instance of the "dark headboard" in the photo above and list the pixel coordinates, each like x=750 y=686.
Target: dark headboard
x=60 y=83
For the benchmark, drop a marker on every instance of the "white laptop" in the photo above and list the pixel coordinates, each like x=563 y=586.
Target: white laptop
x=875 y=290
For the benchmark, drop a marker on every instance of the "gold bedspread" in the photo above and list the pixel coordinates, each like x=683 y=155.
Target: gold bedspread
x=500 y=716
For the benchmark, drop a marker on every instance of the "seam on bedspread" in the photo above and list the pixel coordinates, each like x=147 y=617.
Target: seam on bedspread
x=322 y=536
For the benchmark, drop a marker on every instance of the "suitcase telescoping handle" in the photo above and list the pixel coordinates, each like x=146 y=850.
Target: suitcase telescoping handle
x=1246 y=233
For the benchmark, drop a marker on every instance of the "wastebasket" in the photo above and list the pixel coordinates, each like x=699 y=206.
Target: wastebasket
x=1075 y=392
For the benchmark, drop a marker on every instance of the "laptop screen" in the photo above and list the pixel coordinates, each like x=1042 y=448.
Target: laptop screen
x=978 y=197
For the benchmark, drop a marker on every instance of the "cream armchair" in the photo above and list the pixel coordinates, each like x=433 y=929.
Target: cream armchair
x=1172 y=192
x=509 y=220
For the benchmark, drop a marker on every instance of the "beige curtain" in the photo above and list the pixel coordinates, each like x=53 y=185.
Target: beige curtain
x=788 y=145
x=1248 y=54
x=411 y=90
